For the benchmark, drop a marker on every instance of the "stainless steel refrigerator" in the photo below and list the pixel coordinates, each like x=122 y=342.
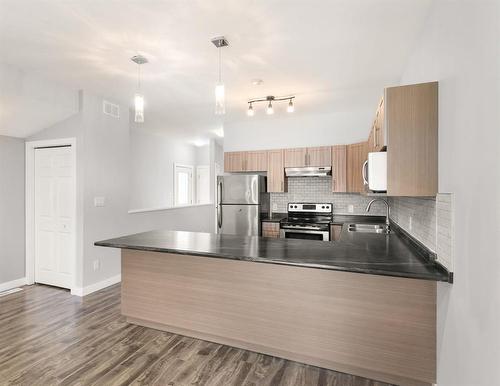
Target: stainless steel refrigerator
x=241 y=202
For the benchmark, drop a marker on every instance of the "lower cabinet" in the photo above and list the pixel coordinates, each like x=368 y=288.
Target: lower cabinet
x=271 y=229
x=335 y=231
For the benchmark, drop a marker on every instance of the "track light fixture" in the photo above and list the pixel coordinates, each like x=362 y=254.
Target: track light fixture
x=270 y=99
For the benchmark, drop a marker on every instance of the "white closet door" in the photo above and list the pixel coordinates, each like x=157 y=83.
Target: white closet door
x=54 y=216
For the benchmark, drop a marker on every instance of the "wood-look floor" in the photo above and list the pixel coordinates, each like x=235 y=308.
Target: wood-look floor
x=48 y=337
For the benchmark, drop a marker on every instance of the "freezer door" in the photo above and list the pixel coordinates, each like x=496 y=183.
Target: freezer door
x=240 y=189
x=239 y=220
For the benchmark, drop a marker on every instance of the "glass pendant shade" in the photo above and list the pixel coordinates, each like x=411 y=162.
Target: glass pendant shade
x=220 y=108
x=139 y=108
x=270 y=109
x=250 y=111
x=290 y=107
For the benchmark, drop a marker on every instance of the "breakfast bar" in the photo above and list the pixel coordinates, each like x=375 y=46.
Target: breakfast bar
x=365 y=305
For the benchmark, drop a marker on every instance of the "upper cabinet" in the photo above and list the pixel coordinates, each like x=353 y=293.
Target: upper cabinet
x=234 y=161
x=296 y=157
x=308 y=156
x=357 y=153
x=319 y=156
x=377 y=137
x=411 y=124
x=256 y=161
x=339 y=168
x=276 y=181
x=245 y=161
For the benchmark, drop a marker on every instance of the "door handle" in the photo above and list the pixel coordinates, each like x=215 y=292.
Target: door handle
x=364 y=172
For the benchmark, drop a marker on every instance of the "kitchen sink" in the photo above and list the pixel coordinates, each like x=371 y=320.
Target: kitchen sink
x=369 y=228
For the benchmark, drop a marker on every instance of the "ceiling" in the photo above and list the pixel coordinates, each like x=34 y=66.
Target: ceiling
x=334 y=55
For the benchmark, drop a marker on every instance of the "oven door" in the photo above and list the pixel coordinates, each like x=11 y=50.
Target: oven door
x=304 y=234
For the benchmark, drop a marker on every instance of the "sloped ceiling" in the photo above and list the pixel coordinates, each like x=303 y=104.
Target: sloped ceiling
x=332 y=54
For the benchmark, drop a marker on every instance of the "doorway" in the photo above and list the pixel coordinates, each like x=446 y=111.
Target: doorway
x=51 y=213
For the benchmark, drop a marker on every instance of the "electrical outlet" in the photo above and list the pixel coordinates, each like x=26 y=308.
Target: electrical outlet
x=410 y=225
x=350 y=208
x=96 y=265
x=275 y=207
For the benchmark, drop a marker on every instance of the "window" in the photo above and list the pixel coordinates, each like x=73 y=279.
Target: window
x=183 y=185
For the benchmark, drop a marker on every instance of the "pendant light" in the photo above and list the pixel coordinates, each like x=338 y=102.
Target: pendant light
x=250 y=111
x=290 y=107
x=138 y=97
x=220 y=108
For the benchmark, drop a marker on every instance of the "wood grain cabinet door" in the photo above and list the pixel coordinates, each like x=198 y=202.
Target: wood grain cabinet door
x=379 y=128
x=276 y=181
x=319 y=156
x=357 y=153
x=412 y=139
x=335 y=230
x=271 y=229
x=339 y=168
x=234 y=161
x=295 y=157
x=256 y=161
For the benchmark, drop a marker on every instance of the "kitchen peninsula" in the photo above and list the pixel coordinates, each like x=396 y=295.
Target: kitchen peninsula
x=365 y=305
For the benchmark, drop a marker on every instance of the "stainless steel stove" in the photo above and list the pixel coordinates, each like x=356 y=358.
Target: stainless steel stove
x=307 y=221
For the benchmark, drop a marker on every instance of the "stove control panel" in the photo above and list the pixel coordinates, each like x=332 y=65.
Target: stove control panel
x=309 y=208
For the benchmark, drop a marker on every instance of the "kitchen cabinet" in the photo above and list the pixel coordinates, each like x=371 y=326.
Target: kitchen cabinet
x=234 y=161
x=245 y=161
x=256 y=161
x=276 y=181
x=376 y=138
x=335 y=230
x=296 y=157
x=271 y=229
x=339 y=168
x=411 y=118
x=308 y=156
x=357 y=153
x=319 y=156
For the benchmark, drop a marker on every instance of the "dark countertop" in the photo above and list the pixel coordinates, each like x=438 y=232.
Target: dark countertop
x=274 y=217
x=390 y=255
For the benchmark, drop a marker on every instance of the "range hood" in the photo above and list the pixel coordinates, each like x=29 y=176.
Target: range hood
x=309 y=171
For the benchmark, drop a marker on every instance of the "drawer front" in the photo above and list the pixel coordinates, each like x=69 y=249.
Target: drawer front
x=271 y=229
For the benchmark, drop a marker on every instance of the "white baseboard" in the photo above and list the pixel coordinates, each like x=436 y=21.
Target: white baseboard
x=83 y=291
x=12 y=284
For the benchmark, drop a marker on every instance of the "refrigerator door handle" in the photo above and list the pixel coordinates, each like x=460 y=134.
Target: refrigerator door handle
x=219 y=207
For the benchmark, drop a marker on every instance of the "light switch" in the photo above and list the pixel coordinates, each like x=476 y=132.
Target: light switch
x=99 y=201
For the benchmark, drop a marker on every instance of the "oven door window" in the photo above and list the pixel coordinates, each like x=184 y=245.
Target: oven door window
x=306 y=236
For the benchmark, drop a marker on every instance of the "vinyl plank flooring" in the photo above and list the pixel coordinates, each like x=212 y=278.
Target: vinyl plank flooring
x=48 y=337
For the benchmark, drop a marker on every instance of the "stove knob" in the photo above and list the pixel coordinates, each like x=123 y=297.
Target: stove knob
x=323 y=207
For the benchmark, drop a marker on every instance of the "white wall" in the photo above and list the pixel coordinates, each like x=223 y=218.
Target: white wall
x=30 y=103
x=460 y=48
x=11 y=209
x=283 y=130
x=152 y=167
x=103 y=156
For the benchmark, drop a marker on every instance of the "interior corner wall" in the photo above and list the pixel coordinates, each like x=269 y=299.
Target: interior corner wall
x=12 y=227
x=459 y=48
x=103 y=157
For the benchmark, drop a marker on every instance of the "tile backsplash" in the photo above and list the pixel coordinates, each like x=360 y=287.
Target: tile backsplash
x=319 y=189
x=430 y=221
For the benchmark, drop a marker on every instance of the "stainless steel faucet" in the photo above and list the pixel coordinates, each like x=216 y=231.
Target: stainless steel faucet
x=388 y=213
